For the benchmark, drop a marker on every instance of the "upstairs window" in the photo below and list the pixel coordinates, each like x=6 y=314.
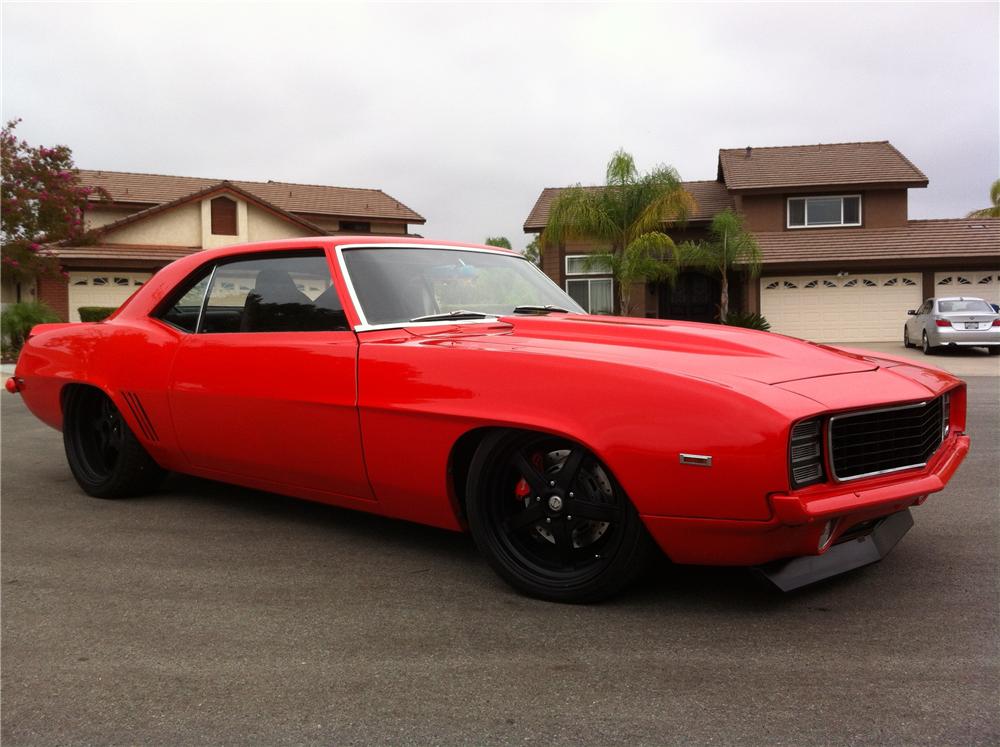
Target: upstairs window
x=224 y=217
x=826 y=211
x=576 y=264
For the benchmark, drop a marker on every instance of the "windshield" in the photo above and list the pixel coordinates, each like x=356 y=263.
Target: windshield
x=399 y=285
x=972 y=305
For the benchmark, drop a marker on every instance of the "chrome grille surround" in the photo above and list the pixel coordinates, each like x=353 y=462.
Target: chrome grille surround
x=888 y=439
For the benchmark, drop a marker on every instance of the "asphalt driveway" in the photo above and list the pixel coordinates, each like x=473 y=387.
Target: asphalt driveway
x=212 y=614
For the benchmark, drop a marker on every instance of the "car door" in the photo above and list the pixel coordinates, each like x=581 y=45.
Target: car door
x=265 y=386
x=915 y=324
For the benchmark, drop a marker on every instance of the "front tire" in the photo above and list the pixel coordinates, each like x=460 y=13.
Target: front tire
x=906 y=338
x=104 y=455
x=552 y=520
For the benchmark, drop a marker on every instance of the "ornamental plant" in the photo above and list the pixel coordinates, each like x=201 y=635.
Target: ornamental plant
x=42 y=203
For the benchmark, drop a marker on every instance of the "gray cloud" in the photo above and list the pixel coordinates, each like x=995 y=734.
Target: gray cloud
x=465 y=112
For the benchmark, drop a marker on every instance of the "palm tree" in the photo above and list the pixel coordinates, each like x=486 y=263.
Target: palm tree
x=990 y=212
x=626 y=219
x=729 y=246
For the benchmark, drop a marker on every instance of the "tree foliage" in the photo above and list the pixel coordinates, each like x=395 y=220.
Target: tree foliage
x=626 y=218
x=729 y=246
x=990 y=212
x=533 y=251
x=500 y=241
x=42 y=202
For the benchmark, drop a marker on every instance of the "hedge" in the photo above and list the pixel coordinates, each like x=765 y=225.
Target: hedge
x=95 y=313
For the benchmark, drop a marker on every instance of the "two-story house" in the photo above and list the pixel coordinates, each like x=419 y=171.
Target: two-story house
x=151 y=220
x=842 y=261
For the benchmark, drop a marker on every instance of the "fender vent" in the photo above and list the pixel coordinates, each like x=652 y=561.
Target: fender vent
x=139 y=413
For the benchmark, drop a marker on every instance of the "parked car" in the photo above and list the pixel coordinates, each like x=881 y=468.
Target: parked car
x=953 y=321
x=457 y=386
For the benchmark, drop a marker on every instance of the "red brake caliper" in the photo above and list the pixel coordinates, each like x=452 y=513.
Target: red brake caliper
x=522 y=490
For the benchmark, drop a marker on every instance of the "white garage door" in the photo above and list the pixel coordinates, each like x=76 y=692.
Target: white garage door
x=980 y=284
x=102 y=289
x=853 y=308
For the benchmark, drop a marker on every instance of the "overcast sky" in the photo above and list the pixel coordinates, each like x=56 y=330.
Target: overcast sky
x=464 y=112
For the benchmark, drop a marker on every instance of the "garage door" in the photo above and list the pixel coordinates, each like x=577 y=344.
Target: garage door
x=102 y=289
x=980 y=284
x=853 y=308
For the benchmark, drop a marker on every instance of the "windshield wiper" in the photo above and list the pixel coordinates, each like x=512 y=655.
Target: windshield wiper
x=547 y=309
x=457 y=314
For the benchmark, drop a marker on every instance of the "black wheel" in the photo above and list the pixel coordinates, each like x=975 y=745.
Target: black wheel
x=994 y=349
x=104 y=455
x=906 y=339
x=552 y=520
x=925 y=345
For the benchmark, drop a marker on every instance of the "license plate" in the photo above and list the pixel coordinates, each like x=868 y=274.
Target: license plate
x=972 y=325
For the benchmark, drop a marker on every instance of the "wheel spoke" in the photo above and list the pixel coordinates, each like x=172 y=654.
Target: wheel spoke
x=593 y=510
x=530 y=473
x=529 y=516
x=570 y=469
x=564 y=540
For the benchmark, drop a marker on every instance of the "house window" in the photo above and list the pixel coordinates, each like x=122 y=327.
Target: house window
x=355 y=226
x=224 y=217
x=593 y=294
x=816 y=212
x=576 y=264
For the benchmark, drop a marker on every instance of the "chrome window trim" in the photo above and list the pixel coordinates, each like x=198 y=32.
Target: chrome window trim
x=204 y=301
x=364 y=326
x=856 y=413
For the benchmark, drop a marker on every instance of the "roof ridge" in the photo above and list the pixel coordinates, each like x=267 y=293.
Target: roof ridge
x=231 y=180
x=150 y=173
x=808 y=145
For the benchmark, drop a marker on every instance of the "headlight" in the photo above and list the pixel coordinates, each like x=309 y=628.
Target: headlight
x=805 y=453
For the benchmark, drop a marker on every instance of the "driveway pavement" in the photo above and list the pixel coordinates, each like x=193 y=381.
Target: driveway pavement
x=208 y=614
x=962 y=362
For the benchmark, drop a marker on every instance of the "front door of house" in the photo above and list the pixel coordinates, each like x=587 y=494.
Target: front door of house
x=694 y=297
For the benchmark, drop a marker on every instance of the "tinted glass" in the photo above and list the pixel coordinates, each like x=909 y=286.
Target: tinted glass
x=398 y=285
x=852 y=210
x=969 y=305
x=796 y=212
x=274 y=294
x=183 y=312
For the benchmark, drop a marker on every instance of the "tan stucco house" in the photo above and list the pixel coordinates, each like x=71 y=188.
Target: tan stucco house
x=151 y=220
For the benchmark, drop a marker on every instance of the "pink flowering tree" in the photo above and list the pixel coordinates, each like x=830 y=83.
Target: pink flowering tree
x=43 y=202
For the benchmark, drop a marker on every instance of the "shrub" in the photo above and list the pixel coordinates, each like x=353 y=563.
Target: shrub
x=747 y=319
x=95 y=313
x=17 y=320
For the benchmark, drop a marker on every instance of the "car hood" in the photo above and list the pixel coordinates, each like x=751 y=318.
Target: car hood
x=706 y=351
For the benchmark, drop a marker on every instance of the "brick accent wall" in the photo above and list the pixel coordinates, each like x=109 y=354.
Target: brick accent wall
x=54 y=293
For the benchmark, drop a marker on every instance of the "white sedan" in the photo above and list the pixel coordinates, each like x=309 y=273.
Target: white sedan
x=958 y=320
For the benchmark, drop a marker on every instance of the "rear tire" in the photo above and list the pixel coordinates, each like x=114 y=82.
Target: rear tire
x=551 y=519
x=104 y=455
x=926 y=346
x=994 y=349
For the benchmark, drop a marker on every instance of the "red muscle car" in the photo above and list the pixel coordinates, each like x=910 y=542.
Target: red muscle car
x=457 y=386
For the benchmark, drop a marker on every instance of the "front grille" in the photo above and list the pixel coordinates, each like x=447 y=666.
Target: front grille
x=877 y=441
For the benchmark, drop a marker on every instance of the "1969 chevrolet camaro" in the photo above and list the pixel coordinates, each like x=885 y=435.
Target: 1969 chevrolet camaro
x=457 y=386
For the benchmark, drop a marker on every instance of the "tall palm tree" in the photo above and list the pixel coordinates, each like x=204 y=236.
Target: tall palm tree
x=990 y=212
x=626 y=219
x=729 y=246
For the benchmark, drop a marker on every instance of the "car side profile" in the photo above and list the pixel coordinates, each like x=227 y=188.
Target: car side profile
x=456 y=386
x=956 y=321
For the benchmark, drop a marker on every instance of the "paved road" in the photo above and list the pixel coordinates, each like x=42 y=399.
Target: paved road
x=208 y=614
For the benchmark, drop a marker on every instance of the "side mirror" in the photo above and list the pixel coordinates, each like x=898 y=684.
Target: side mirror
x=912 y=312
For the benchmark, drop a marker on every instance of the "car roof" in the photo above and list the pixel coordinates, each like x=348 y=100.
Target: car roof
x=961 y=298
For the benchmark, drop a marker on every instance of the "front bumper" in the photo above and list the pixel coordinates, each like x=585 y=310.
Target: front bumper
x=798 y=521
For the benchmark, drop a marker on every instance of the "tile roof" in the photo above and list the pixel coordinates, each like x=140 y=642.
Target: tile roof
x=123 y=251
x=817 y=165
x=710 y=196
x=312 y=199
x=918 y=239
